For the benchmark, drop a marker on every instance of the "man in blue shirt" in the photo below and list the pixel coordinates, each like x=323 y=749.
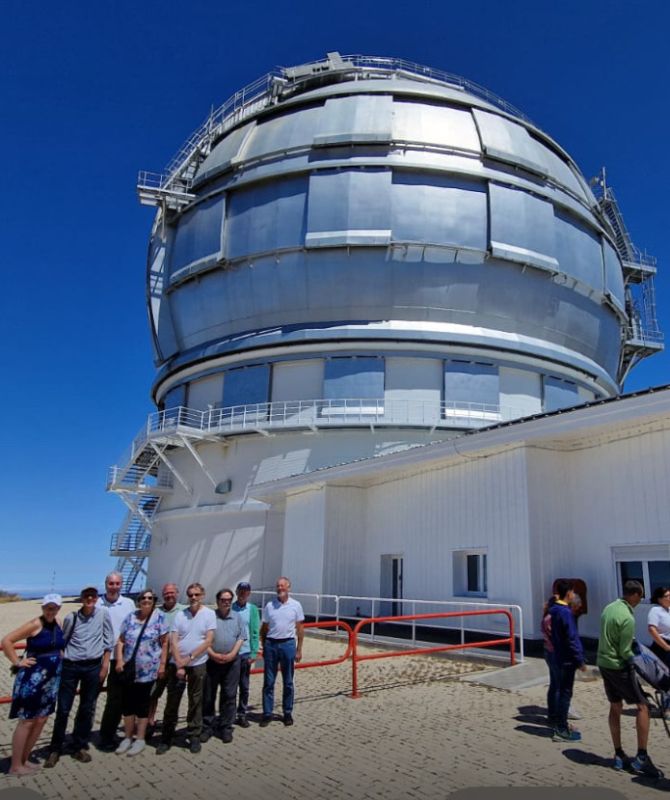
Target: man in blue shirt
x=568 y=656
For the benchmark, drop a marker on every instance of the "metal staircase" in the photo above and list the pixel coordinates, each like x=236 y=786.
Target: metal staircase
x=642 y=336
x=145 y=475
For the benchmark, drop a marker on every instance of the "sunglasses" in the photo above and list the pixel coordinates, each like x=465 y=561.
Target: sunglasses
x=193 y=594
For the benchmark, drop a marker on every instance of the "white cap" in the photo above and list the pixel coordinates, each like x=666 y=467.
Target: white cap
x=52 y=599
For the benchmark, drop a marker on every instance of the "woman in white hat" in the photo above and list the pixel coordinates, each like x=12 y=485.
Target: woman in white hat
x=37 y=678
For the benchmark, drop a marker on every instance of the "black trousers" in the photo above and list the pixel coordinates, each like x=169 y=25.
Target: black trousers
x=111 y=716
x=223 y=677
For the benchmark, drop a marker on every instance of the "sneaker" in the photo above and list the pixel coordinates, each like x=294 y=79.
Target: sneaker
x=574 y=714
x=227 y=737
x=162 y=748
x=288 y=720
x=621 y=763
x=265 y=721
x=52 y=759
x=242 y=721
x=125 y=745
x=108 y=745
x=82 y=755
x=195 y=746
x=205 y=736
x=643 y=766
x=137 y=747
x=566 y=736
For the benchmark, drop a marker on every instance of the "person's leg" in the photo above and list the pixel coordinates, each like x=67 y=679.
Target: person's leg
x=156 y=694
x=89 y=689
x=642 y=726
x=175 y=690
x=66 y=694
x=21 y=748
x=552 y=693
x=196 y=684
x=614 y=720
x=566 y=680
x=111 y=716
x=287 y=665
x=243 y=700
x=33 y=735
x=229 y=681
x=270 y=666
x=209 y=697
x=142 y=703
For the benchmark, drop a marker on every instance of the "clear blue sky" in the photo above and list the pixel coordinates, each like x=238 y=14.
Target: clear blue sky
x=92 y=92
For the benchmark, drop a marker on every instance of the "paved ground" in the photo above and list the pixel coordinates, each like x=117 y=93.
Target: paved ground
x=419 y=731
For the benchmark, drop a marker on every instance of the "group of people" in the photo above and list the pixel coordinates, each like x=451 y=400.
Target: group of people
x=143 y=652
x=564 y=654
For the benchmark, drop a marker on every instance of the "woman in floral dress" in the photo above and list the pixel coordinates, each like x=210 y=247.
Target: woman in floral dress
x=150 y=656
x=37 y=678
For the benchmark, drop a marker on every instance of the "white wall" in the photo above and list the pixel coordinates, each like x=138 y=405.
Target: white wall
x=297 y=380
x=520 y=392
x=205 y=392
x=304 y=535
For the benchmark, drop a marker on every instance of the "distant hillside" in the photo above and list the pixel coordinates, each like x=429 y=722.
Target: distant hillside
x=8 y=597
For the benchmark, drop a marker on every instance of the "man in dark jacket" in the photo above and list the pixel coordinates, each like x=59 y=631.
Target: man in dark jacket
x=569 y=657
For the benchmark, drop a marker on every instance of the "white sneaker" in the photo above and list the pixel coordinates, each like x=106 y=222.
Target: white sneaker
x=574 y=714
x=125 y=745
x=138 y=746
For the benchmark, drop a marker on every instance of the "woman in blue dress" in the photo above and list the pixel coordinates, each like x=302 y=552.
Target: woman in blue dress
x=37 y=678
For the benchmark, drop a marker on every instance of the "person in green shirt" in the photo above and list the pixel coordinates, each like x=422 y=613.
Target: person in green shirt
x=617 y=630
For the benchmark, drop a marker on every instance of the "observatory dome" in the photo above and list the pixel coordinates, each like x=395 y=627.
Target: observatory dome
x=362 y=226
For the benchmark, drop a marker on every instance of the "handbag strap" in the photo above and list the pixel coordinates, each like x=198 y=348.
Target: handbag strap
x=137 y=643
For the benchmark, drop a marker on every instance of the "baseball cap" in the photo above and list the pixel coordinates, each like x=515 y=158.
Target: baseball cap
x=243 y=586
x=52 y=599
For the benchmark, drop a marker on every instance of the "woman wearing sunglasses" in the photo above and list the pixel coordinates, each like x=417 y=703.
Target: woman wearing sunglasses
x=141 y=657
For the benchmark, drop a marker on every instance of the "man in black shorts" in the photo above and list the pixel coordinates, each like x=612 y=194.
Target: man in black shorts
x=617 y=630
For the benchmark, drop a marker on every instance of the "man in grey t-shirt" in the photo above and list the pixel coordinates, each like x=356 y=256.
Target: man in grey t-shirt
x=223 y=669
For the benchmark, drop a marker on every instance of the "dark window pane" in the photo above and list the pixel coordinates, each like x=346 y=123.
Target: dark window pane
x=467 y=382
x=473 y=573
x=659 y=574
x=354 y=379
x=246 y=386
x=631 y=571
x=559 y=394
x=175 y=397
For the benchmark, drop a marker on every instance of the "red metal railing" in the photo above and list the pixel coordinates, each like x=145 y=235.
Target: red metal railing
x=351 y=651
x=356 y=658
x=335 y=623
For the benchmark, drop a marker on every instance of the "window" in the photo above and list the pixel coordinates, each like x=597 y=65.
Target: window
x=470 y=573
x=471 y=385
x=560 y=394
x=246 y=386
x=650 y=573
x=358 y=382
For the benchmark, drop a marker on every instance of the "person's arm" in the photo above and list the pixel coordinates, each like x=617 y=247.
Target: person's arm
x=174 y=650
x=162 y=665
x=575 y=643
x=300 y=633
x=9 y=641
x=119 y=653
x=656 y=636
x=108 y=643
x=263 y=634
x=626 y=636
x=254 y=626
x=201 y=648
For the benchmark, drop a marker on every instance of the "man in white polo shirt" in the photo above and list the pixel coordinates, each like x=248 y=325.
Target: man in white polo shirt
x=191 y=634
x=118 y=607
x=283 y=620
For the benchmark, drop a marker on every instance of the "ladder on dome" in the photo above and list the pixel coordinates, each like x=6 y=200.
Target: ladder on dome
x=642 y=336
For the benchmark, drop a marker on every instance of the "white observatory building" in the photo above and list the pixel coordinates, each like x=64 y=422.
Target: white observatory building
x=374 y=288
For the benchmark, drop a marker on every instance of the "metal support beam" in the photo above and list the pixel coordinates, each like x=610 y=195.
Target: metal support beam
x=168 y=463
x=199 y=461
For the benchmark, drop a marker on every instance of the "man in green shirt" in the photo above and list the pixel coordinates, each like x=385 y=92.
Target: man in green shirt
x=617 y=630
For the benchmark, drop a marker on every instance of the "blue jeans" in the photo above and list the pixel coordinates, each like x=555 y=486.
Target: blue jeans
x=552 y=691
x=86 y=675
x=566 y=680
x=278 y=655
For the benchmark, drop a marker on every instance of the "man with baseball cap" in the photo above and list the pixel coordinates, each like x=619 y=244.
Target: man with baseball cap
x=89 y=638
x=250 y=618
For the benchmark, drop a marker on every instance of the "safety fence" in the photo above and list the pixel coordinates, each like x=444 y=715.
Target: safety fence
x=351 y=651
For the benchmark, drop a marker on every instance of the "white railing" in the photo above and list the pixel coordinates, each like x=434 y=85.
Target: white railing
x=314 y=414
x=351 y=608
